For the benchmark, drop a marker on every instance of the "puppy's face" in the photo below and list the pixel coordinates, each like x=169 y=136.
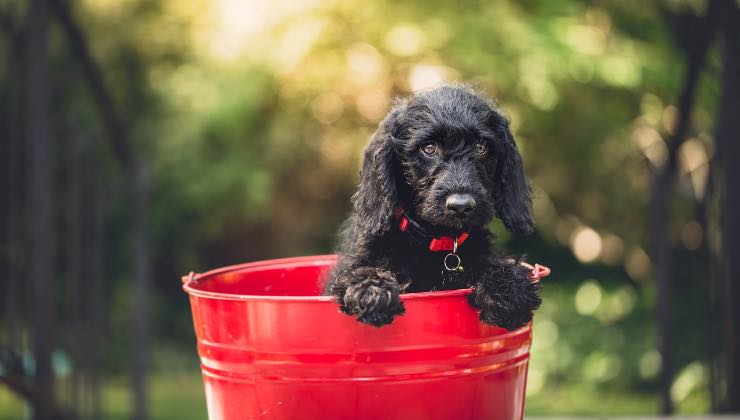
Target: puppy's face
x=448 y=141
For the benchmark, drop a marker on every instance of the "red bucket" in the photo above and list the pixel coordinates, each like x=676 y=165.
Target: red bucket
x=272 y=348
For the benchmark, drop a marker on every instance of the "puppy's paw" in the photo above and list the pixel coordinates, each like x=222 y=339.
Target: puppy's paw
x=508 y=299
x=374 y=299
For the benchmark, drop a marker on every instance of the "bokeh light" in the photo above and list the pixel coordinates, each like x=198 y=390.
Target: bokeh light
x=586 y=244
x=588 y=297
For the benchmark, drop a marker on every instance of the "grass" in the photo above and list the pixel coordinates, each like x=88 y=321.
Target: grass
x=172 y=397
x=180 y=397
x=11 y=408
x=587 y=401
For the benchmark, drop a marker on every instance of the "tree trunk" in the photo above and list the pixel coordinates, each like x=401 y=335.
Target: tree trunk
x=137 y=173
x=75 y=345
x=696 y=47
x=41 y=164
x=659 y=220
x=140 y=301
x=96 y=295
x=728 y=141
x=14 y=293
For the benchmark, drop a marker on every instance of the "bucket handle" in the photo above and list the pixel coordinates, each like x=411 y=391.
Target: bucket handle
x=190 y=277
x=538 y=272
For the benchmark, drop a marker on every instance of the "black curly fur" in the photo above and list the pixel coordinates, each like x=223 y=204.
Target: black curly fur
x=378 y=262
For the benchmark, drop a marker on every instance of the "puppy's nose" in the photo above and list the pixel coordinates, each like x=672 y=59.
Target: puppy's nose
x=461 y=204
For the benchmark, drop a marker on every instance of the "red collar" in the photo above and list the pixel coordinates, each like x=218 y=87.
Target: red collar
x=436 y=243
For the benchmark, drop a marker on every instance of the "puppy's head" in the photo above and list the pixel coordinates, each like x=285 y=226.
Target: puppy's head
x=449 y=156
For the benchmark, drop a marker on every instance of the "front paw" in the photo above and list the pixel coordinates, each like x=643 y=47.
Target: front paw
x=375 y=299
x=507 y=299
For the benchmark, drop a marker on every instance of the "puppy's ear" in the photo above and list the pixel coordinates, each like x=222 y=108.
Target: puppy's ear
x=377 y=195
x=513 y=196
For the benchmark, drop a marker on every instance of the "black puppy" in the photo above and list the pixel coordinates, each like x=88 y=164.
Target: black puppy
x=441 y=165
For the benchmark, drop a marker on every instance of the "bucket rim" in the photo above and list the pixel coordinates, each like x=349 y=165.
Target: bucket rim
x=190 y=280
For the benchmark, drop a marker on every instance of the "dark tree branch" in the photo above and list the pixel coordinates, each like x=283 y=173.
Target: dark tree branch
x=20 y=387
x=112 y=120
x=15 y=377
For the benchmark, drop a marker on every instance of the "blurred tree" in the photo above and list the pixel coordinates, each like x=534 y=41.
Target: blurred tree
x=696 y=46
x=14 y=176
x=728 y=144
x=41 y=164
x=136 y=170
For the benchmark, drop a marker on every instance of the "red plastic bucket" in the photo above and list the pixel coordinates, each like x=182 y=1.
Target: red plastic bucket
x=272 y=348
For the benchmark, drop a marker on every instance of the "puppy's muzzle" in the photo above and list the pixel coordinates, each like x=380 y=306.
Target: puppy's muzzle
x=460 y=204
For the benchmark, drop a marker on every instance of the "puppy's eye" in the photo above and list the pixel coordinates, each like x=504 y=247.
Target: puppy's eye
x=429 y=149
x=481 y=148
